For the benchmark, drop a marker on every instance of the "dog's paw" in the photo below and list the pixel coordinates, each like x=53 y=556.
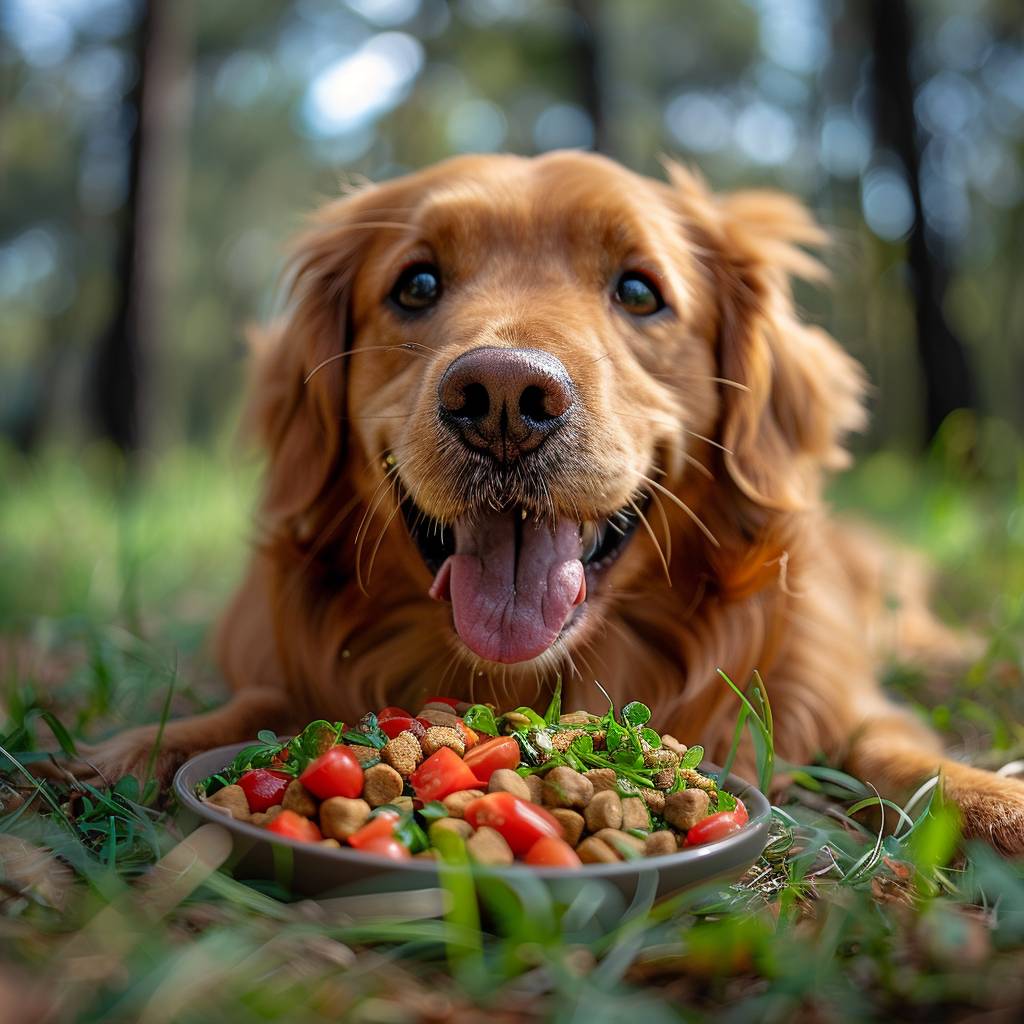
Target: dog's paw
x=141 y=752
x=991 y=807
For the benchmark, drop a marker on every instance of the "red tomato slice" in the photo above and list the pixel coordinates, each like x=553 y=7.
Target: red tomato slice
x=391 y=712
x=391 y=727
x=424 y=723
x=469 y=737
x=335 y=773
x=442 y=773
x=520 y=822
x=713 y=827
x=487 y=757
x=549 y=852
x=295 y=826
x=741 y=812
x=264 y=788
x=386 y=846
x=382 y=824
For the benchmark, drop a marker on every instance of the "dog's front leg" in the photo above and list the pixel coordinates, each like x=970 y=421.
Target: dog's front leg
x=159 y=753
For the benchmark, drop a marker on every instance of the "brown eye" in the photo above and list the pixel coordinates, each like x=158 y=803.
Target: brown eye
x=637 y=294
x=418 y=287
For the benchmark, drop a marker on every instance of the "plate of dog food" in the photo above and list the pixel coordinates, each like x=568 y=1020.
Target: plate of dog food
x=388 y=801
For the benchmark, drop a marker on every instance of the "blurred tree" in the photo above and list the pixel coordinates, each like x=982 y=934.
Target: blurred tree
x=948 y=378
x=124 y=357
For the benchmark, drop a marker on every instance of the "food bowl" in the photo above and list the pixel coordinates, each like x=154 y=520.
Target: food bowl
x=316 y=871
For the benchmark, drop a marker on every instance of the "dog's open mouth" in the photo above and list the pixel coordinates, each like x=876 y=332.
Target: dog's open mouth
x=514 y=582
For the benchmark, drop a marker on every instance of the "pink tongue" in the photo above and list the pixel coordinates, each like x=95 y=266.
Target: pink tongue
x=510 y=601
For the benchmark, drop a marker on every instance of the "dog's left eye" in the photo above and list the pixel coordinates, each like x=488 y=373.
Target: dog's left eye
x=637 y=294
x=418 y=287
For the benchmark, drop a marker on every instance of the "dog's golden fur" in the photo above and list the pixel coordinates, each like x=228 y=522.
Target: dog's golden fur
x=728 y=409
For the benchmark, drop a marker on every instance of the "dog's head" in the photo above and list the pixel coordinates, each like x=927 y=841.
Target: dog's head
x=532 y=383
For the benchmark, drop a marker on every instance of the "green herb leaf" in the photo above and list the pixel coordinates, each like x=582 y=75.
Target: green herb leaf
x=433 y=811
x=692 y=757
x=582 y=745
x=481 y=718
x=726 y=801
x=267 y=736
x=554 y=711
x=536 y=722
x=651 y=738
x=636 y=713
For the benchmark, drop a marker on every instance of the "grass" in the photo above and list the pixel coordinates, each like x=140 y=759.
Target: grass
x=106 y=595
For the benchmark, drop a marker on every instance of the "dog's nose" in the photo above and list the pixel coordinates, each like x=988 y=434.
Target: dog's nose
x=505 y=400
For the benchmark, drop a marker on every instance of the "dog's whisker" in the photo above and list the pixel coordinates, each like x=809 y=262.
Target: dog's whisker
x=664 y=523
x=404 y=347
x=364 y=525
x=699 y=466
x=384 y=529
x=654 y=539
x=710 y=440
x=686 y=508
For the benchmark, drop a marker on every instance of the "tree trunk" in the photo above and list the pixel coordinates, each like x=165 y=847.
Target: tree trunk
x=948 y=380
x=120 y=384
x=586 y=58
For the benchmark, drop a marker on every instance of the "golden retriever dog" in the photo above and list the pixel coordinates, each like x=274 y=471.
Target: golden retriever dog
x=536 y=416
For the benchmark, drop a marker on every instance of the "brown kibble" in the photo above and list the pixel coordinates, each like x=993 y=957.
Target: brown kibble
x=267 y=816
x=486 y=846
x=382 y=785
x=403 y=753
x=660 y=843
x=457 y=825
x=595 y=851
x=654 y=798
x=438 y=705
x=442 y=718
x=535 y=784
x=684 y=809
x=506 y=780
x=299 y=799
x=673 y=744
x=635 y=813
x=562 y=741
x=695 y=780
x=622 y=843
x=402 y=804
x=572 y=824
x=273 y=812
x=604 y=811
x=427 y=854
x=664 y=779
x=333 y=843
x=576 y=718
x=340 y=817
x=231 y=800
x=564 y=787
x=438 y=736
x=602 y=779
x=366 y=756
x=455 y=803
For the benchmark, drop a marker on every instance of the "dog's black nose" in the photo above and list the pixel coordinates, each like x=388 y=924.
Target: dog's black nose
x=505 y=401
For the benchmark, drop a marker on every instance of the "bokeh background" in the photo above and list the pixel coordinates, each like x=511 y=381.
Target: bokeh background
x=155 y=157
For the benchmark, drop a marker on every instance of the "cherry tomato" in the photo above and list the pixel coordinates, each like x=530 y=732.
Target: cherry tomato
x=550 y=852
x=386 y=846
x=442 y=773
x=713 y=827
x=391 y=712
x=450 y=701
x=469 y=737
x=264 y=788
x=487 y=757
x=335 y=773
x=294 y=826
x=391 y=727
x=379 y=825
x=520 y=822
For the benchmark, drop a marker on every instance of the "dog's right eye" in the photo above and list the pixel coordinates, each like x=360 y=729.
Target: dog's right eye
x=418 y=287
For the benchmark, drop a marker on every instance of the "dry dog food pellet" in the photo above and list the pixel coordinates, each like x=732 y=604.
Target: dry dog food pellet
x=572 y=823
x=684 y=809
x=459 y=826
x=621 y=842
x=486 y=846
x=299 y=799
x=455 y=804
x=340 y=816
x=381 y=785
x=604 y=811
x=635 y=813
x=658 y=844
x=595 y=851
x=403 y=753
x=438 y=736
x=564 y=787
x=602 y=779
x=232 y=800
x=505 y=780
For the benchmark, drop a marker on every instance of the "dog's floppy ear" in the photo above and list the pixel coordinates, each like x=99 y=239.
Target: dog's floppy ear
x=298 y=394
x=796 y=393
